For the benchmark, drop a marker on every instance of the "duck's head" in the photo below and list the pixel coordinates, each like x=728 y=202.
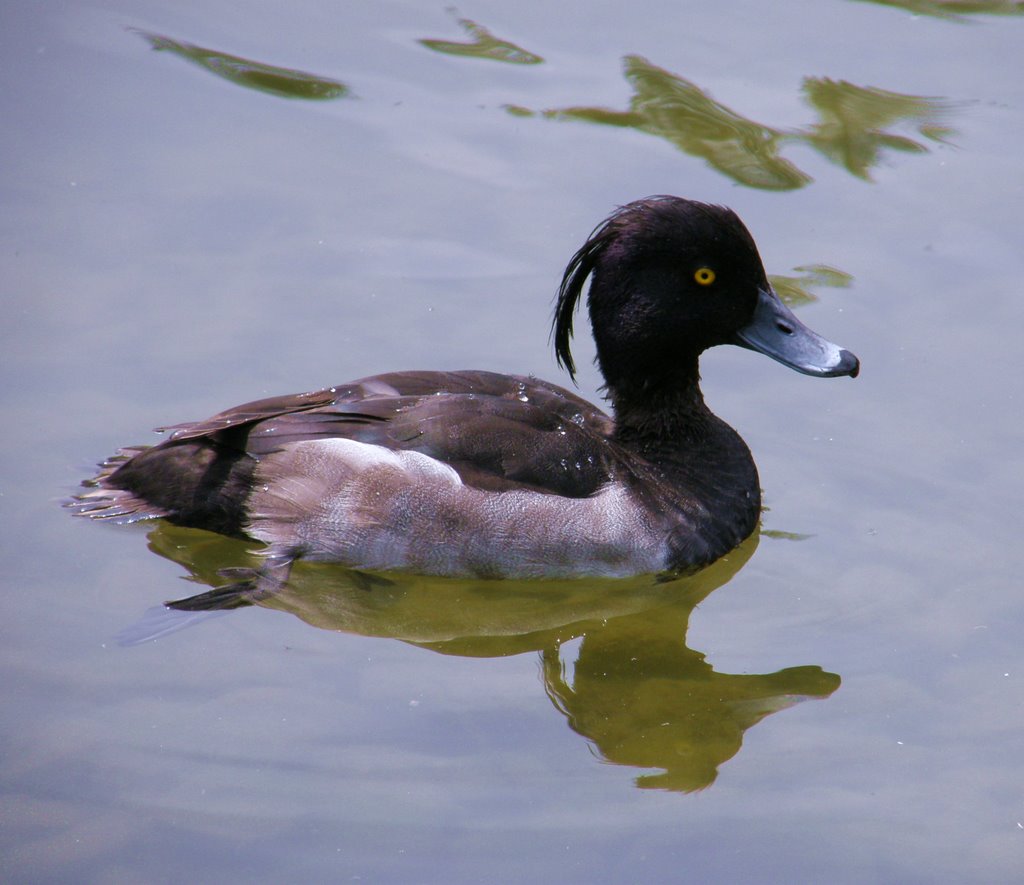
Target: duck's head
x=670 y=278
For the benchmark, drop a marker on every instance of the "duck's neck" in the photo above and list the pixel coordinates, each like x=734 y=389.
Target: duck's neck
x=704 y=474
x=657 y=419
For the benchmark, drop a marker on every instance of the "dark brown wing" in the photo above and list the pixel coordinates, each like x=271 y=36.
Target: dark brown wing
x=497 y=431
x=250 y=413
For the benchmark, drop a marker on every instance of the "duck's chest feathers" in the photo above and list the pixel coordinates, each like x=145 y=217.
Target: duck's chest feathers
x=705 y=484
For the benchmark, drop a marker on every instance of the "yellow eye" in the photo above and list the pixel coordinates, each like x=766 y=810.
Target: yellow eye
x=704 y=276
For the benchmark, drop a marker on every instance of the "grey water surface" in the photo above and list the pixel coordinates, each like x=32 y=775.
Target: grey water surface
x=208 y=203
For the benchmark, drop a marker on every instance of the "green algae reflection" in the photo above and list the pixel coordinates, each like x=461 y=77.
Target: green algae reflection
x=673 y=108
x=798 y=290
x=850 y=132
x=282 y=82
x=483 y=45
x=954 y=10
x=636 y=693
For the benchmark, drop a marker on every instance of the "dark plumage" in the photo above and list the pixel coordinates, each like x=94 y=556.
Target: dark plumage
x=474 y=473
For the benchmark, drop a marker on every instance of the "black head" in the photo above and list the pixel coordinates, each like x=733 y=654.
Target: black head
x=670 y=278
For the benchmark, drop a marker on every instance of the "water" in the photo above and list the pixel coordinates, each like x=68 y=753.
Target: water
x=207 y=204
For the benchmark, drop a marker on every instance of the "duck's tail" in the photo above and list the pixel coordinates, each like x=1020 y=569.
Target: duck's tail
x=102 y=500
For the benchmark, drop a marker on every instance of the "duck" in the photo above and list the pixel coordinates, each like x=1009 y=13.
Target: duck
x=484 y=475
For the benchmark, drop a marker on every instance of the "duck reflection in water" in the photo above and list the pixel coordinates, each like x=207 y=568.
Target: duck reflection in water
x=637 y=693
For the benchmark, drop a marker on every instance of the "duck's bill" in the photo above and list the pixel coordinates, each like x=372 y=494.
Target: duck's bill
x=776 y=332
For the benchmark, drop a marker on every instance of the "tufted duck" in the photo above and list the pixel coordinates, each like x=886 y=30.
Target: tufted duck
x=473 y=473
